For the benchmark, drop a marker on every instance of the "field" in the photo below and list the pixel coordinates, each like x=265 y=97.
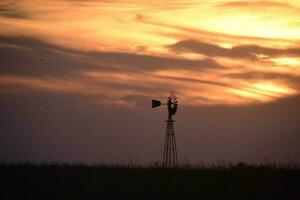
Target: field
x=79 y=181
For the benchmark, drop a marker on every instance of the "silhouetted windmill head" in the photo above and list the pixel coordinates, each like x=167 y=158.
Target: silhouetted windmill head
x=171 y=103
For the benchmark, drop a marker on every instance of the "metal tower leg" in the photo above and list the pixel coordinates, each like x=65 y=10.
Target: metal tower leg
x=170 y=157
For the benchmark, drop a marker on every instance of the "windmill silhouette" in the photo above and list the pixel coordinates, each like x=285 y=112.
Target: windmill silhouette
x=170 y=157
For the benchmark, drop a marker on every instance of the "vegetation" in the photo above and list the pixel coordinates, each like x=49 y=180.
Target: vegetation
x=80 y=181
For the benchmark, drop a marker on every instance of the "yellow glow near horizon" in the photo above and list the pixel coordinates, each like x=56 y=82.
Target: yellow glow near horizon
x=272 y=89
x=263 y=91
x=287 y=61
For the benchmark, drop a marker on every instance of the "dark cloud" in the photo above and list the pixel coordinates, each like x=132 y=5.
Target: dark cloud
x=242 y=52
x=262 y=75
x=25 y=55
x=13 y=14
x=31 y=56
x=40 y=61
x=11 y=10
x=149 y=63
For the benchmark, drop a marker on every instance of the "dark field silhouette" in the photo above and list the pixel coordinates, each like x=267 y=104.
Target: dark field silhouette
x=79 y=181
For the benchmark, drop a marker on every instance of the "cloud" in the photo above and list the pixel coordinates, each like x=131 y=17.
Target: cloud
x=41 y=66
x=150 y=63
x=42 y=50
x=10 y=10
x=35 y=56
x=37 y=65
x=9 y=13
x=241 y=51
x=291 y=79
x=262 y=4
x=213 y=33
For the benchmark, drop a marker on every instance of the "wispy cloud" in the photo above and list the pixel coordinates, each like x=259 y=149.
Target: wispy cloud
x=242 y=51
x=11 y=10
x=116 y=75
x=256 y=4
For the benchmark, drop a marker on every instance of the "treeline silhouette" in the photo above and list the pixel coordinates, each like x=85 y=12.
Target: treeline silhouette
x=205 y=181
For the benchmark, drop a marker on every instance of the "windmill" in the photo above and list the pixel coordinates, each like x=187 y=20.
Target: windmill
x=170 y=157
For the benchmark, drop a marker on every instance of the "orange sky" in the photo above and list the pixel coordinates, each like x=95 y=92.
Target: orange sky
x=209 y=52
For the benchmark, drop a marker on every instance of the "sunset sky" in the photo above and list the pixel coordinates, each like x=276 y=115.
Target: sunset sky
x=77 y=79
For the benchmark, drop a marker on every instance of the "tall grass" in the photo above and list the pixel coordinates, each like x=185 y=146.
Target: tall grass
x=219 y=180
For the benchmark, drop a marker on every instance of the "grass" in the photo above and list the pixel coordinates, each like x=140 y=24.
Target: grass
x=205 y=181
